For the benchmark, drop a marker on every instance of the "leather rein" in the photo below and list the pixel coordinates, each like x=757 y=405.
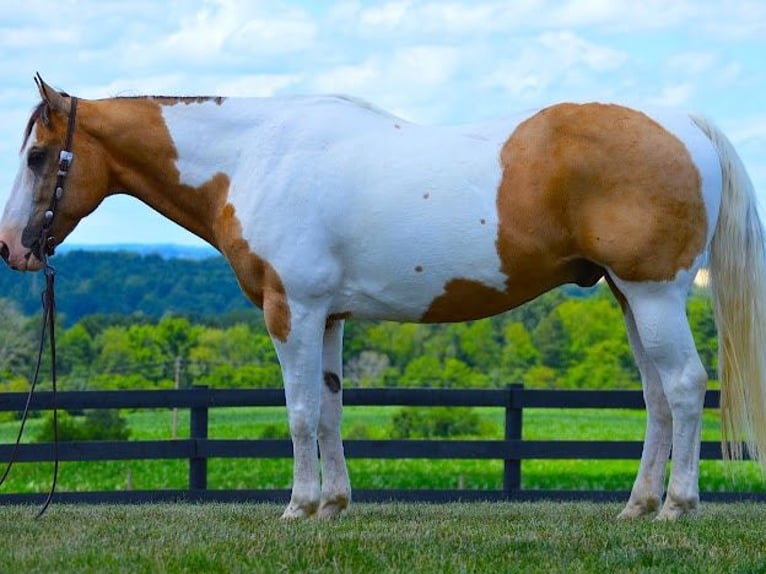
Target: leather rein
x=46 y=247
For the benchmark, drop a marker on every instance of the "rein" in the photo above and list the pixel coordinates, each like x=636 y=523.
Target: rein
x=46 y=249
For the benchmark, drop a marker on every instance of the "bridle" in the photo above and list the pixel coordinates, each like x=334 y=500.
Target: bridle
x=47 y=243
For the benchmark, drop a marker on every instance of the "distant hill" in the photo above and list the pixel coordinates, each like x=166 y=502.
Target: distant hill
x=156 y=281
x=166 y=251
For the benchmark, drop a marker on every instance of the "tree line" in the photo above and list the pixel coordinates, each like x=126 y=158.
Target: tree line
x=193 y=326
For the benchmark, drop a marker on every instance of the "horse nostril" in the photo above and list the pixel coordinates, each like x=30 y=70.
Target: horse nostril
x=5 y=253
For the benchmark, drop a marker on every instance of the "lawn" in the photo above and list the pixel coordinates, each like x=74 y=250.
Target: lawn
x=449 y=538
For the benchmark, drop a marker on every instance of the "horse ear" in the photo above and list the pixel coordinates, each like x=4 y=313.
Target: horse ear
x=52 y=97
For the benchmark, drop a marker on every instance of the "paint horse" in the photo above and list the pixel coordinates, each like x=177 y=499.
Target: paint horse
x=327 y=208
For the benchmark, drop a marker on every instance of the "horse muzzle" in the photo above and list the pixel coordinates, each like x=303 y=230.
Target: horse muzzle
x=20 y=259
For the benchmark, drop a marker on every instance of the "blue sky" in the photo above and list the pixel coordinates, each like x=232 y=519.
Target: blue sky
x=430 y=61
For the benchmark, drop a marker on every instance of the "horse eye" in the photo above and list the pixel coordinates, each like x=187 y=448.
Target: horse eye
x=36 y=159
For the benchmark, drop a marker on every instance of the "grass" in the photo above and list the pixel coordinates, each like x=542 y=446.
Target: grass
x=375 y=422
x=451 y=538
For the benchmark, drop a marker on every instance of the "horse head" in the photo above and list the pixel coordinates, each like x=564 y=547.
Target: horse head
x=38 y=215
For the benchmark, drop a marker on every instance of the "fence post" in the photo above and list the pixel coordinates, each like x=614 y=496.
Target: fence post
x=198 y=431
x=513 y=424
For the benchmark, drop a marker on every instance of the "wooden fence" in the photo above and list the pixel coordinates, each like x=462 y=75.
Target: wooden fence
x=198 y=448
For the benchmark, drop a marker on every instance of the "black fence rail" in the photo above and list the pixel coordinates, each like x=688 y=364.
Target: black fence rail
x=198 y=448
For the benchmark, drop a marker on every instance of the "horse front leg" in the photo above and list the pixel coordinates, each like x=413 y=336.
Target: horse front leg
x=336 y=489
x=300 y=356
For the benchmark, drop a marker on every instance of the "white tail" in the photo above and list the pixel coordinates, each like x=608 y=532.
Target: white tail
x=738 y=279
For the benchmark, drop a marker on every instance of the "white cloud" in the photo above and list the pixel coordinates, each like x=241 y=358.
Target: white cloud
x=693 y=63
x=26 y=37
x=557 y=66
x=673 y=96
x=240 y=30
x=389 y=15
x=572 y=50
x=355 y=78
x=256 y=85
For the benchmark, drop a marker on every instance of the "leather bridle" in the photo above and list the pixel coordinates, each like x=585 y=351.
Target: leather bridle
x=47 y=241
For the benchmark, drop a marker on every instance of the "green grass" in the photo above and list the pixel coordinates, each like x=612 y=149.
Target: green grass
x=375 y=422
x=450 y=538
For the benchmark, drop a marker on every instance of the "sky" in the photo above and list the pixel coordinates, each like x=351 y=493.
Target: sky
x=429 y=61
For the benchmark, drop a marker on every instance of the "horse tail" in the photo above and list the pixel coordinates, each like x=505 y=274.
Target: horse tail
x=738 y=281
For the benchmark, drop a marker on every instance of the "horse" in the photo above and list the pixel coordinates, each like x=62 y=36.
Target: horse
x=328 y=208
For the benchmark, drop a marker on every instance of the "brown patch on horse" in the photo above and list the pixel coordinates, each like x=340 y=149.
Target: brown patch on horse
x=586 y=187
x=204 y=210
x=342 y=316
x=123 y=144
x=257 y=278
x=463 y=300
x=141 y=158
x=601 y=183
x=332 y=381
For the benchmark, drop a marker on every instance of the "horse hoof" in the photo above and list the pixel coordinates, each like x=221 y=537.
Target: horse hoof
x=673 y=512
x=296 y=512
x=635 y=510
x=332 y=507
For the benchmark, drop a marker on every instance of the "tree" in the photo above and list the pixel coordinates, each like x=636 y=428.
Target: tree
x=18 y=340
x=75 y=350
x=519 y=353
x=480 y=345
x=428 y=370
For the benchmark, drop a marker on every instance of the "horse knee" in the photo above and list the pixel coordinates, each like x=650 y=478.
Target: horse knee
x=302 y=424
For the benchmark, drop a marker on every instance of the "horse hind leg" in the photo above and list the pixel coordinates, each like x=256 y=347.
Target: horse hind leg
x=336 y=489
x=648 y=488
x=659 y=312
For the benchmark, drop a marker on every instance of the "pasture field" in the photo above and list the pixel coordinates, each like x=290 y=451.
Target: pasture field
x=375 y=422
x=451 y=538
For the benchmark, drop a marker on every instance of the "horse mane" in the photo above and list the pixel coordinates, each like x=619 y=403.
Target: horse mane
x=177 y=99
x=40 y=112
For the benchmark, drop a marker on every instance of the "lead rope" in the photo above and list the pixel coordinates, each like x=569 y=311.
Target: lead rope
x=48 y=328
x=49 y=321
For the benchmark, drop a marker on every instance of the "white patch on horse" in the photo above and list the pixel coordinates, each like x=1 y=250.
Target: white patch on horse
x=19 y=207
x=194 y=146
